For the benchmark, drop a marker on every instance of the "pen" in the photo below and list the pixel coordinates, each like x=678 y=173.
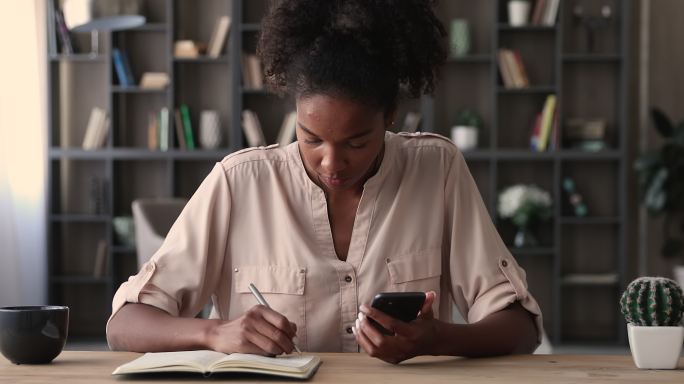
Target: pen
x=263 y=302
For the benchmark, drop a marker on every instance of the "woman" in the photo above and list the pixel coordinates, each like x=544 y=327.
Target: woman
x=347 y=211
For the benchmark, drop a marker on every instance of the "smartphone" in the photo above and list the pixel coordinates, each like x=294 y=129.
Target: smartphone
x=400 y=305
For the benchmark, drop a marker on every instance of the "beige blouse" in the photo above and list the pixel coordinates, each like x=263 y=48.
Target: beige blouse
x=257 y=218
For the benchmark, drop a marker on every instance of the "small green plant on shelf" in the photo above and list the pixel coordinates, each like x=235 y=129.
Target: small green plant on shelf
x=653 y=308
x=661 y=179
x=466 y=130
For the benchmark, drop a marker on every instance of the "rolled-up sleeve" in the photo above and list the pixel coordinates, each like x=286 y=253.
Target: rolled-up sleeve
x=182 y=275
x=485 y=278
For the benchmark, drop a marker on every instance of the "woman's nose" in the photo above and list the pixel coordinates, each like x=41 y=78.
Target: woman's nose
x=333 y=161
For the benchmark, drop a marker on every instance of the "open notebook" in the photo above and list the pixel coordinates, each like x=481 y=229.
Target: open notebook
x=208 y=362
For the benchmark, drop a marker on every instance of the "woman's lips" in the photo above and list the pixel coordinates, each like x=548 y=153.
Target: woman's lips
x=333 y=181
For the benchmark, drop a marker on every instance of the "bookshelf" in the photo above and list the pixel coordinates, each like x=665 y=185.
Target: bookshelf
x=576 y=272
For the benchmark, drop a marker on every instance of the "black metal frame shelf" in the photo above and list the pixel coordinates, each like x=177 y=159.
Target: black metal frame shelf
x=490 y=164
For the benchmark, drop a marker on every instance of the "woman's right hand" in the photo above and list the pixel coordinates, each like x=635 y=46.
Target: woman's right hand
x=260 y=330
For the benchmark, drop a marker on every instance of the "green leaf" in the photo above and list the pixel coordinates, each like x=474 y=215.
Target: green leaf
x=662 y=123
x=678 y=135
x=672 y=247
x=656 y=197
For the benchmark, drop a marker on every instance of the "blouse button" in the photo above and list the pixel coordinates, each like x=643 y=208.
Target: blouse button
x=236 y=270
x=349 y=330
x=348 y=279
x=504 y=263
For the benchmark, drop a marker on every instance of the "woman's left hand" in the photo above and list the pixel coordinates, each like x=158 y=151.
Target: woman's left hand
x=409 y=340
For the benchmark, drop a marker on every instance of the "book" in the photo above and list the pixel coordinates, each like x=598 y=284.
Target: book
x=64 y=35
x=520 y=67
x=120 y=68
x=287 y=130
x=218 y=37
x=209 y=362
x=253 y=132
x=252 y=74
x=154 y=80
x=100 y=265
x=152 y=132
x=504 y=70
x=180 y=134
x=187 y=127
x=96 y=121
x=538 y=12
x=164 y=129
x=534 y=137
x=547 y=121
x=102 y=132
x=186 y=49
x=550 y=12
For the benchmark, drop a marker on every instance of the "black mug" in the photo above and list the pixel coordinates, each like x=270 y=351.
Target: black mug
x=33 y=334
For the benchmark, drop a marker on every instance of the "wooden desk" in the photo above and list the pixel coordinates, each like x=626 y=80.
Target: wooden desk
x=96 y=367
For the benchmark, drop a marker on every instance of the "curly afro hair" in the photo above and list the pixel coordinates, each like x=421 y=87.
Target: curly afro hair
x=365 y=50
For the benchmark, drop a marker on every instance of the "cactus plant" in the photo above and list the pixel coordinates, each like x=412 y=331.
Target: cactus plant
x=652 y=301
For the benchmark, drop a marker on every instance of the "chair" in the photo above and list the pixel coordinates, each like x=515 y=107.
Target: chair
x=153 y=217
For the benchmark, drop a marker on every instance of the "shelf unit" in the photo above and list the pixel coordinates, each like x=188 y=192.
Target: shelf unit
x=576 y=272
x=579 y=270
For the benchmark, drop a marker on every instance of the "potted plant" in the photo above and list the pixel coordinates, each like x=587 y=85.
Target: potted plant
x=653 y=308
x=525 y=206
x=661 y=179
x=465 y=132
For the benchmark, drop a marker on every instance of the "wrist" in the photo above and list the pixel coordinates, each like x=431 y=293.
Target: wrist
x=206 y=335
x=449 y=341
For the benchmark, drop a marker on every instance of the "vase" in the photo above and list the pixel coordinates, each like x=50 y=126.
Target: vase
x=524 y=238
x=518 y=12
x=459 y=37
x=464 y=137
x=210 y=130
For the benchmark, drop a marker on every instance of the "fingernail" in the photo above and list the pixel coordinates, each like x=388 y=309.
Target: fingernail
x=358 y=324
x=354 y=330
x=363 y=308
x=361 y=316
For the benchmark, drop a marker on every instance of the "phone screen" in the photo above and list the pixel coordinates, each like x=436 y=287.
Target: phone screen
x=400 y=305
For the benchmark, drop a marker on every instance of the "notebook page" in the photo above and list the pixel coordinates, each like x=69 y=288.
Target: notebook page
x=288 y=363
x=198 y=360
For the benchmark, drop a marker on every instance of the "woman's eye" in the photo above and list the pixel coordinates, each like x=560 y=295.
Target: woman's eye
x=356 y=145
x=312 y=141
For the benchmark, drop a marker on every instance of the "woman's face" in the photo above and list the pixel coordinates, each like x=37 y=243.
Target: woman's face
x=339 y=141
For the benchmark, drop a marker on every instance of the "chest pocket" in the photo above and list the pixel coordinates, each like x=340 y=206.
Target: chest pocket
x=419 y=271
x=283 y=288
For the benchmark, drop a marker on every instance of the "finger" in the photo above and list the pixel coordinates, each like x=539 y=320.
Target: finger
x=278 y=320
x=371 y=332
x=266 y=345
x=388 y=322
x=364 y=342
x=426 y=310
x=276 y=335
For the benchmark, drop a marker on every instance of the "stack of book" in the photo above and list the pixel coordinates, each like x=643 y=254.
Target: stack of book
x=545 y=12
x=545 y=130
x=97 y=130
x=585 y=134
x=252 y=74
x=512 y=69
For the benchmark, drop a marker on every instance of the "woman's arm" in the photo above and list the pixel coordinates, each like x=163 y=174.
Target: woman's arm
x=511 y=330
x=144 y=328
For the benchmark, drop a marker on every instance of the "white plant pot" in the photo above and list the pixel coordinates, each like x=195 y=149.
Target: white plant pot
x=465 y=137
x=518 y=12
x=655 y=347
x=679 y=274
